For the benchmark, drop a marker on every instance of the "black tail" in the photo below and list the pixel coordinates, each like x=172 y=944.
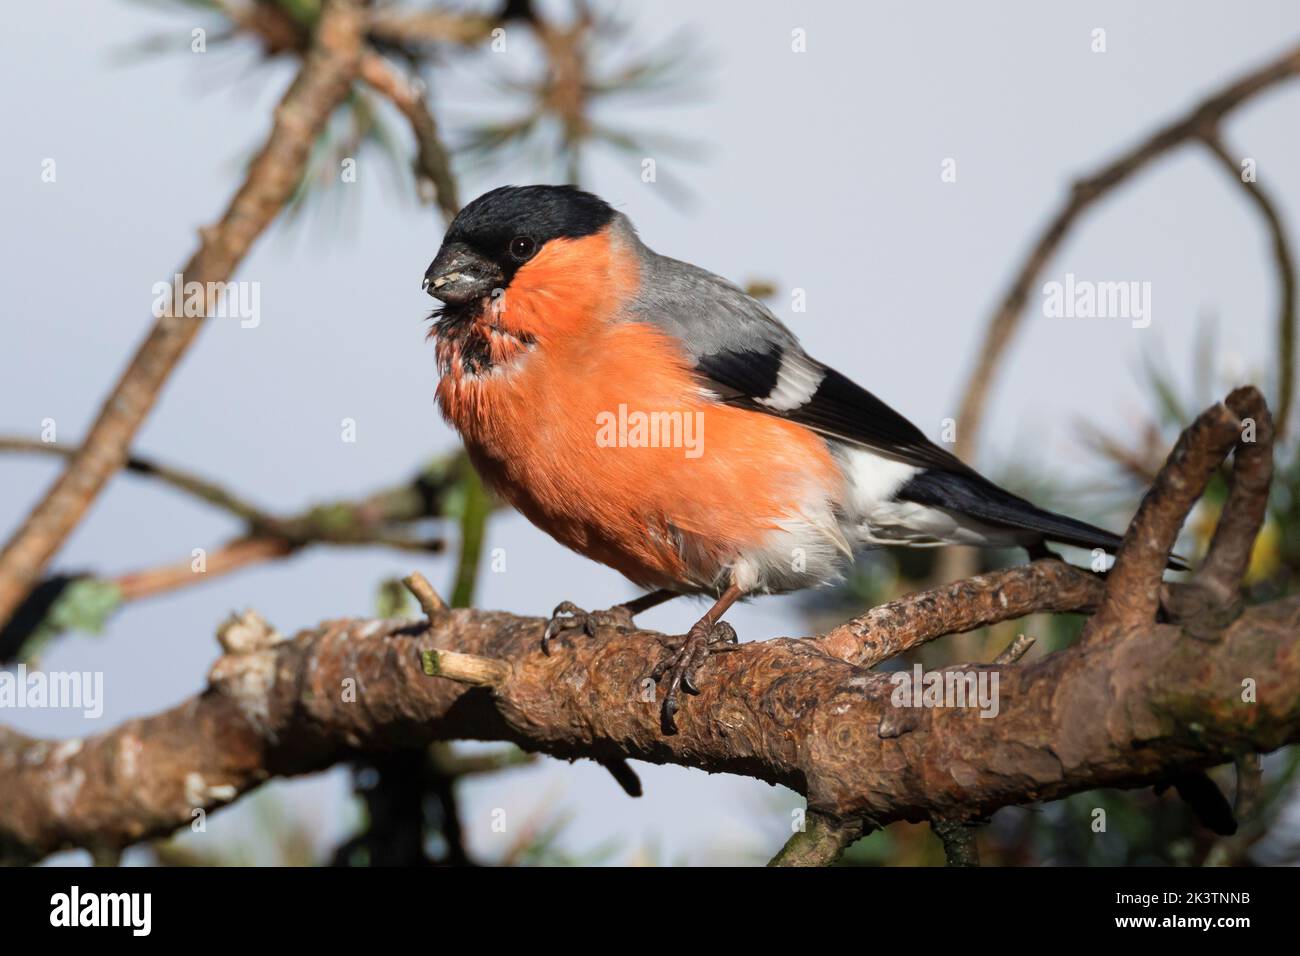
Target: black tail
x=971 y=494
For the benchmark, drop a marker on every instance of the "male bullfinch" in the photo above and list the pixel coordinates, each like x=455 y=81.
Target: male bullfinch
x=652 y=416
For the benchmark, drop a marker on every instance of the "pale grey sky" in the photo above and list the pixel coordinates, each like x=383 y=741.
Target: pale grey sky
x=821 y=171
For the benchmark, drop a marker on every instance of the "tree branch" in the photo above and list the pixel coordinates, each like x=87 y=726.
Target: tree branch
x=820 y=842
x=432 y=162
x=1126 y=715
x=381 y=518
x=1283 y=265
x=325 y=79
x=1106 y=712
x=1203 y=119
x=1133 y=587
x=889 y=630
x=191 y=484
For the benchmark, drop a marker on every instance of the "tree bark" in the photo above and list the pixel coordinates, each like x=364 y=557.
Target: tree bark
x=1166 y=679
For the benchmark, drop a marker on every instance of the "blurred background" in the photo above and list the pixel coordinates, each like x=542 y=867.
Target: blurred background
x=887 y=165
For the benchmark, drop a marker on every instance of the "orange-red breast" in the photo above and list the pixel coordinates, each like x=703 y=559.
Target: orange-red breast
x=652 y=416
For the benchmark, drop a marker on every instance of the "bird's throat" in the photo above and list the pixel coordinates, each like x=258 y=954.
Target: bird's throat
x=472 y=345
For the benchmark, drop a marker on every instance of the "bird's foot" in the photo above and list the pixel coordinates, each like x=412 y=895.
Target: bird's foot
x=680 y=667
x=567 y=616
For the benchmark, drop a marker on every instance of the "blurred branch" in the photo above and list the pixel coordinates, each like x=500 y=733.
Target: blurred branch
x=322 y=84
x=475 y=506
x=1138 y=701
x=1141 y=463
x=1203 y=120
x=561 y=101
x=179 y=479
x=384 y=518
x=232 y=556
x=432 y=163
x=414 y=29
x=1284 y=265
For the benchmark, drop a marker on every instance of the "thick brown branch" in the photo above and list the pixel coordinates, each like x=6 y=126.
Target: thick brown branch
x=889 y=630
x=324 y=81
x=1125 y=714
x=1205 y=118
x=1134 y=585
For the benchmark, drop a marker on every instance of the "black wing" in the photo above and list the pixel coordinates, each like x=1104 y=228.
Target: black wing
x=784 y=381
x=743 y=353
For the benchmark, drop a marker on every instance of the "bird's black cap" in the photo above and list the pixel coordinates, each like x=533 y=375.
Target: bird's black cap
x=541 y=213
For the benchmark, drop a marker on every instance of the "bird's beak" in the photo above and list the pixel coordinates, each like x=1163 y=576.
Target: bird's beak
x=459 y=274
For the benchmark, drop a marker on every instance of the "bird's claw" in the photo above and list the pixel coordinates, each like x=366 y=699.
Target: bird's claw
x=681 y=666
x=567 y=616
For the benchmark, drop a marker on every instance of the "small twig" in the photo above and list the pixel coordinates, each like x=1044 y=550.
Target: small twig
x=624 y=774
x=374 y=519
x=181 y=480
x=430 y=601
x=465 y=668
x=820 y=842
x=232 y=556
x=1009 y=314
x=416 y=28
x=1284 y=266
x=432 y=161
x=363 y=521
x=959 y=846
x=1015 y=650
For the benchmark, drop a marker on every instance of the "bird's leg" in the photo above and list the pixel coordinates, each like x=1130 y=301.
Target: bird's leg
x=567 y=616
x=705 y=637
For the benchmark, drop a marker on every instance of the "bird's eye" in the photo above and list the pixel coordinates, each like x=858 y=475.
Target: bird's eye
x=522 y=248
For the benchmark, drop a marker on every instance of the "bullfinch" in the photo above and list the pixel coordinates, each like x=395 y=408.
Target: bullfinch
x=652 y=416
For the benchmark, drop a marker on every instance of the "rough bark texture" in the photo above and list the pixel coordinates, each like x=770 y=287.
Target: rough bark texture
x=891 y=629
x=1133 y=701
x=1121 y=715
